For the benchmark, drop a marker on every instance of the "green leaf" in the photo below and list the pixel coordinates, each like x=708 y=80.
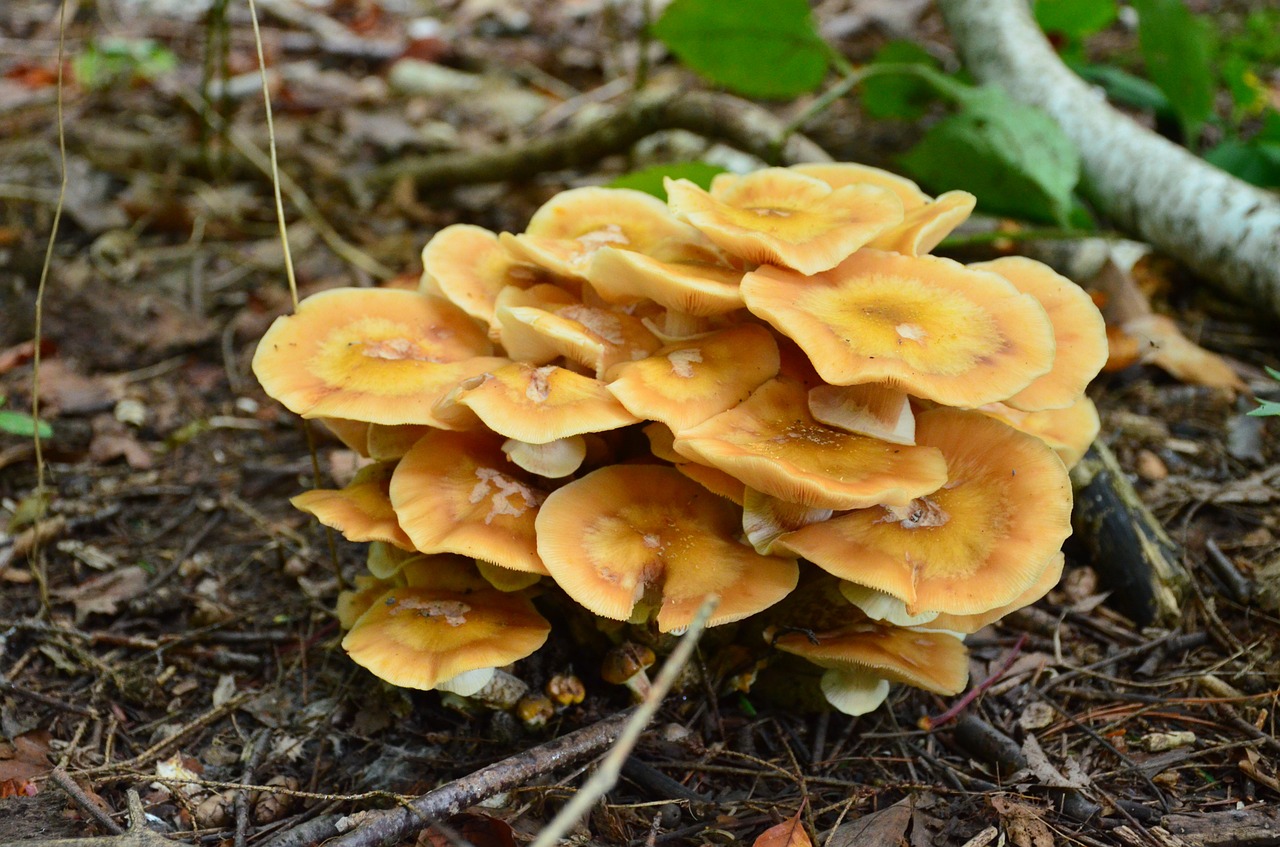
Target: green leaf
x=1125 y=88
x=1176 y=48
x=1075 y=18
x=896 y=95
x=649 y=180
x=1256 y=161
x=120 y=61
x=1013 y=157
x=1266 y=409
x=758 y=48
x=20 y=423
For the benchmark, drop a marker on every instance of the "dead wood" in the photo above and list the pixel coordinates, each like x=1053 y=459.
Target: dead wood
x=716 y=116
x=1134 y=557
x=1255 y=827
x=137 y=835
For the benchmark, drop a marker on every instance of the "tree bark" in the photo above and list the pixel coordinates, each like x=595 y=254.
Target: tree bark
x=1225 y=229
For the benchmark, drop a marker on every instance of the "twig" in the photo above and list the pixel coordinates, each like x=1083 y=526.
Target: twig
x=257 y=750
x=137 y=835
x=975 y=692
x=717 y=116
x=64 y=781
x=607 y=775
x=147 y=756
x=395 y=824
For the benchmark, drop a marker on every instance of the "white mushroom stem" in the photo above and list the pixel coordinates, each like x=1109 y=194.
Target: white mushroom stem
x=1224 y=228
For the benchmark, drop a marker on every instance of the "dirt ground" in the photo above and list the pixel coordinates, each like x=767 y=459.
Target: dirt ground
x=192 y=646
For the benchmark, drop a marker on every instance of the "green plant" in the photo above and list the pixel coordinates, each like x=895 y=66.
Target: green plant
x=22 y=424
x=1268 y=408
x=122 y=61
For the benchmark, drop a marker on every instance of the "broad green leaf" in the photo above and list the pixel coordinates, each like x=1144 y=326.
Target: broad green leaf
x=1125 y=88
x=1075 y=18
x=120 y=61
x=1013 y=157
x=895 y=95
x=649 y=180
x=1176 y=47
x=758 y=48
x=1255 y=161
x=20 y=423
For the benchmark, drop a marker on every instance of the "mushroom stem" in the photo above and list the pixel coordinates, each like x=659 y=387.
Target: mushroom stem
x=681 y=324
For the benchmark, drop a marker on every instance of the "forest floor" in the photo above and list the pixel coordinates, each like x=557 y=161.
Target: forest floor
x=192 y=645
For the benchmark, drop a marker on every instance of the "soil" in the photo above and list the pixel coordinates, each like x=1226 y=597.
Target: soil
x=172 y=630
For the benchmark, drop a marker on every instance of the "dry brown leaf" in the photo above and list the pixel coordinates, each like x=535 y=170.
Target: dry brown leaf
x=1167 y=348
x=474 y=829
x=883 y=828
x=23 y=759
x=1022 y=822
x=789 y=833
x=103 y=594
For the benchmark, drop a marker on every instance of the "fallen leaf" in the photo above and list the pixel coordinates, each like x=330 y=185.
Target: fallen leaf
x=1168 y=349
x=883 y=828
x=1022 y=822
x=23 y=759
x=789 y=833
x=103 y=594
x=474 y=829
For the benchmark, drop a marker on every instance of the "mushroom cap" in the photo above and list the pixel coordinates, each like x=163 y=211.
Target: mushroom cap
x=385 y=560
x=1068 y=431
x=354 y=603
x=695 y=288
x=1078 y=329
x=765 y=518
x=542 y=404
x=361 y=510
x=854 y=691
x=772 y=443
x=785 y=218
x=883 y=607
x=594 y=337
x=976 y=543
x=685 y=383
x=628 y=536
x=388 y=442
x=662 y=446
x=923 y=228
x=520 y=341
x=353 y=434
x=934 y=661
x=840 y=174
x=551 y=460
x=925 y=325
x=455 y=492
x=468 y=266
x=868 y=409
x=368 y=354
x=625 y=217
x=969 y=624
x=418 y=637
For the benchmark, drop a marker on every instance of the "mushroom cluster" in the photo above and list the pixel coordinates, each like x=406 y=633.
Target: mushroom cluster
x=641 y=403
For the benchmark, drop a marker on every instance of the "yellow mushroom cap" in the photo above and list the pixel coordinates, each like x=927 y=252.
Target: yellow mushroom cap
x=695 y=288
x=969 y=624
x=361 y=510
x=455 y=492
x=976 y=543
x=685 y=383
x=925 y=325
x=628 y=536
x=933 y=661
x=1068 y=431
x=868 y=409
x=418 y=637
x=468 y=266
x=368 y=354
x=354 y=434
x=354 y=603
x=840 y=174
x=387 y=442
x=923 y=228
x=772 y=443
x=541 y=404
x=1078 y=329
x=786 y=218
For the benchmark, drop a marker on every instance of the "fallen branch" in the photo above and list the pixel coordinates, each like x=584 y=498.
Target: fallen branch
x=1224 y=228
x=137 y=835
x=721 y=117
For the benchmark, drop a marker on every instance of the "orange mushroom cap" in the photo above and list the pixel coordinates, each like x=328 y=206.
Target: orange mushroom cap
x=868 y=409
x=685 y=383
x=1078 y=329
x=772 y=443
x=785 y=218
x=455 y=492
x=468 y=266
x=924 y=228
x=542 y=404
x=594 y=337
x=840 y=174
x=925 y=325
x=692 y=287
x=969 y=624
x=1068 y=431
x=976 y=543
x=369 y=354
x=418 y=637
x=361 y=511
x=642 y=538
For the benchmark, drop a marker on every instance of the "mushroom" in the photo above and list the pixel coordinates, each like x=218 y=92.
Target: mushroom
x=455 y=492
x=974 y=544
x=387 y=443
x=698 y=288
x=555 y=459
x=883 y=607
x=772 y=443
x=642 y=541
x=353 y=434
x=685 y=383
x=370 y=354
x=468 y=266
x=923 y=228
x=1078 y=329
x=627 y=665
x=868 y=409
x=565 y=689
x=386 y=560
x=420 y=637
x=661 y=444
x=785 y=218
x=969 y=624
x=1068 y=431
x=361 y=511
x=840 y=174
x=765 y=518
x=924 y=325
x=534 y=710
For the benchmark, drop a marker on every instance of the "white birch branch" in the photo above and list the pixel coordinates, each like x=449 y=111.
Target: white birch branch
x=1225 y=229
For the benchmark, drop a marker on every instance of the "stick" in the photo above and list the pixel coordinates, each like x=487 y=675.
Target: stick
x=137 y=835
